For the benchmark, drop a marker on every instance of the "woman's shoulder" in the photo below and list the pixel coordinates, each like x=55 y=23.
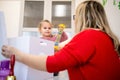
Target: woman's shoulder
x=90 y=31
x=89 y=34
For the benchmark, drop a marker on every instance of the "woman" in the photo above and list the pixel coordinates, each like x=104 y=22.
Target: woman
x=92 y=54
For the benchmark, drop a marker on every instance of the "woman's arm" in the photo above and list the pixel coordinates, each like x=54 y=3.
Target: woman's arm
x=34 y=61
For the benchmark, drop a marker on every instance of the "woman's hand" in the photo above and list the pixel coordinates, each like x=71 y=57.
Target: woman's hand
x=7 y=51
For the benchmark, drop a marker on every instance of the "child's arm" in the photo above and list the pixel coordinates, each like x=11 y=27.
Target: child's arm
x=62 y=44
x=63 y=37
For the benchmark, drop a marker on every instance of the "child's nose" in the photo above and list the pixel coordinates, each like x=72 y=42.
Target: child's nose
x=47 y=28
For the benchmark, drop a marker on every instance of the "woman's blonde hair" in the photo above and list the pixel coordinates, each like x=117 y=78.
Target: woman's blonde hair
x=40 y=24
x=91 y=14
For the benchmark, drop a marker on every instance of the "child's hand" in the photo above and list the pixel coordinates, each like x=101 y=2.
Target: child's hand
x=56 y=48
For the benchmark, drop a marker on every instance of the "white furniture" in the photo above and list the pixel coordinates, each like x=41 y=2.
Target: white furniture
x=31 y=45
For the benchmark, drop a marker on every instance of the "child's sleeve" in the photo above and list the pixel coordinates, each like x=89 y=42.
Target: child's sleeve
x=63 y=37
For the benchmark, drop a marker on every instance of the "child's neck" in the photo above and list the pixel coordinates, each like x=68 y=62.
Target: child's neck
x=48 y=36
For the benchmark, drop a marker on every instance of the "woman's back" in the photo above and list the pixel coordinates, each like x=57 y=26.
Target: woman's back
x=90 y=55
x=99 y=62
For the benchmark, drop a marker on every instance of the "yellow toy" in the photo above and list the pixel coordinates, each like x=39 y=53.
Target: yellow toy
x=60 y=31
x=61 y=26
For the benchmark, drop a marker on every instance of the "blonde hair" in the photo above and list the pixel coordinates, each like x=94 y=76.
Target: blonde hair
x=40 y=24
x=91 y=14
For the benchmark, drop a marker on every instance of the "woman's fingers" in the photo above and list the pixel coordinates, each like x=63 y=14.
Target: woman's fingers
x=6 y=51
x=5 y=55
x=4 y=48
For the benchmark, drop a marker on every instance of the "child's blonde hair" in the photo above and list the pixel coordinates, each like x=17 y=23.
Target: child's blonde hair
x=40 y=24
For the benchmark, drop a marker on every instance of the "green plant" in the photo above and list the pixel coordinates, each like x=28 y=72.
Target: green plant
x=115 y=2
x=104 y=2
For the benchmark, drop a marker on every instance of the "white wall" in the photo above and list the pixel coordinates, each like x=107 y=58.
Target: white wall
x=11 y=9
x=113 y=14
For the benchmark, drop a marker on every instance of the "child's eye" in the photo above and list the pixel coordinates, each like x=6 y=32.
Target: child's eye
x=45 y=27
x=49 y=28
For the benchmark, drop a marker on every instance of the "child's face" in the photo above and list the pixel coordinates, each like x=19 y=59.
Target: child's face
x=45 y=29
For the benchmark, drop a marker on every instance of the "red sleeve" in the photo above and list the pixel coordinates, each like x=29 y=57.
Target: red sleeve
x=76 y=52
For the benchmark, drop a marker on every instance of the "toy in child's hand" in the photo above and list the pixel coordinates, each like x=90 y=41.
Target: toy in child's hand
x=60 y=31
x=56 y=46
